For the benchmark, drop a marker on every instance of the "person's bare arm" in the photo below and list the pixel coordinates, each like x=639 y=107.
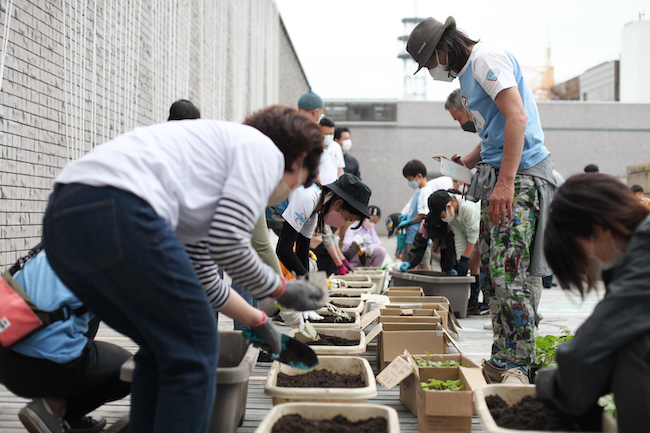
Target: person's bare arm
x=511 y=106
x=470 y=160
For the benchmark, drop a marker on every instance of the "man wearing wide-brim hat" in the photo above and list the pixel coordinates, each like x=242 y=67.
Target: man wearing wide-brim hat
x=514 y=180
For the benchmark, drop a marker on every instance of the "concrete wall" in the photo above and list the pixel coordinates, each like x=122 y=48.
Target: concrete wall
x=611 y=135
x=79 y=73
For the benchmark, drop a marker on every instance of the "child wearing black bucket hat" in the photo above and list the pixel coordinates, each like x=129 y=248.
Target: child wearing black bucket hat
x=312 y=208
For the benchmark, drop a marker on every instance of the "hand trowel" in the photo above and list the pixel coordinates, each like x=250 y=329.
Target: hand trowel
x=294 y=353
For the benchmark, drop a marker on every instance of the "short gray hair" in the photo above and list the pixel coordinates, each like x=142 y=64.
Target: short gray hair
x=454 y=101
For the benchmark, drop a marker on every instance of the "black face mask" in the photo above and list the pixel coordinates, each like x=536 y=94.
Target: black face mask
x=468 y=126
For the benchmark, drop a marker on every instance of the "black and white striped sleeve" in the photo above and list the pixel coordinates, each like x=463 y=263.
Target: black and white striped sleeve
x=229 y=243
x=207 y=271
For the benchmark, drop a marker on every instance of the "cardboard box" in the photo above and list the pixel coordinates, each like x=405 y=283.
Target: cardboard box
x=417 y=309
x=404 y=291
x=397 y=337
x=408 y=387
x=437 y=411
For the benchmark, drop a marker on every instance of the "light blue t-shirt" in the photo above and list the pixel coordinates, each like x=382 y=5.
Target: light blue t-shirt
x=487 y=72
x=62 y=341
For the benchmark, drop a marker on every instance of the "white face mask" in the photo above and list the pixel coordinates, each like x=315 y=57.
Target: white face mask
x=346 y=145
x=328 y=139
x=414 y=184
x=367 y=224
x=440 y=72
x=282 y=191
x=450 y=215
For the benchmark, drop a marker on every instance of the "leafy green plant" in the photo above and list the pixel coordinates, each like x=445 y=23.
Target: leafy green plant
x=421 y=362
x=442 y=385
x=546 y=348
x=607 y=402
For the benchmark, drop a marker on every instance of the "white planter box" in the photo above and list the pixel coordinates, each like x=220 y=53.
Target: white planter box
x=354 y=325
x=349 y=293
x=512 y=394
x=352 y=305
x=322 y=411
x=335 y=364
x=350 y=334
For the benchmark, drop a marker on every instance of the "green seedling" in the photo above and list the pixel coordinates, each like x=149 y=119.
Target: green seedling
x=442 y=385
x=546 y=348
x=429 y=363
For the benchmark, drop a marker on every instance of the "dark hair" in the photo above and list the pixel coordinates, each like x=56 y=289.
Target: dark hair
x=454 y=101
x=414 y=167
x=591 y=168
x=293 y=133
x=374 y=210
x=327 y=122
x=183 y=109
x=339 y=131
x=636 y=188
x=457 y=48
x=582 y=202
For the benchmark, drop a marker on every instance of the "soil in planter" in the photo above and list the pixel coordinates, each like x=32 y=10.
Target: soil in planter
x=340 y=424
x=321 y=379
x=533 y=414
x=332 y=340
x=334 y=319
x=342 y=295
x=336 y=304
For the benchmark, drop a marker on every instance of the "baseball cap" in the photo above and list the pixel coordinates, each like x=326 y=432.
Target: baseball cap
x=437 y=202
x=425 y=37
x=392 y=221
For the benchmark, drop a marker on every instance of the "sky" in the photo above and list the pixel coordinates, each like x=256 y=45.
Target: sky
x=348 y=48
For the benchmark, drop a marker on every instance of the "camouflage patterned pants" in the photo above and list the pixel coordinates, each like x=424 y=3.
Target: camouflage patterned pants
x=505 y=258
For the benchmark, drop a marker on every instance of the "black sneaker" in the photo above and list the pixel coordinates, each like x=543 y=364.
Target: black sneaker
x=87 y=424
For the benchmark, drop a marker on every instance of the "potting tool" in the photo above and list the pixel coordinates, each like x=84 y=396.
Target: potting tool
x=293 y=353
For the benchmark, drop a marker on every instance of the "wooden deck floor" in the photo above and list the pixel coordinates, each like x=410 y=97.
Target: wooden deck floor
x=474 y=341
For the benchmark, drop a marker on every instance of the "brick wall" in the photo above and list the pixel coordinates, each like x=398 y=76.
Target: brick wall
x=78 y=73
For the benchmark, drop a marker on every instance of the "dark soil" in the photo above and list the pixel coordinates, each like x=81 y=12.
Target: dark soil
x=332 y=340
x=533 y=414
x=338 y=424
x=336 y=304
x=321 y=379
x=328 y=318
x=341 y=295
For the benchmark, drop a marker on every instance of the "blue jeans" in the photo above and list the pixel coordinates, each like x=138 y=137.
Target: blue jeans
x=244 y=294
x=128 y=267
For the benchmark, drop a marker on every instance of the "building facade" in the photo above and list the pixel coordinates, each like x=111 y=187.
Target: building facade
x=611 y=135
x=75 y=74
x=635 y=62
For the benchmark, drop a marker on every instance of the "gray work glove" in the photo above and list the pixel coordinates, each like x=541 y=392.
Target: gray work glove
x=270 y=334
x=301 y=295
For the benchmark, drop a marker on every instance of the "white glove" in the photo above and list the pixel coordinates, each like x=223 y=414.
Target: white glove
x=296 y=319
x=396 y=265
x=293 y=318
x=367 y=239
x=311 y=315
x=357 y=239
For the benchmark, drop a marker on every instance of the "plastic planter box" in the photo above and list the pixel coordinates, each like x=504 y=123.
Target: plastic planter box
x=453 y=287
x=376 y=275
x=348 y=293
x=352 y=305
x=353 y=278
x=237 y=357
x=511 y=394
x=353 y=325
x=322 y=411
x=350 y=334
x=335 y=364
